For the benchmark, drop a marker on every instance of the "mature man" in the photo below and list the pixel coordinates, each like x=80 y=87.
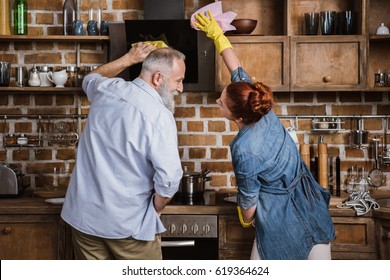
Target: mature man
x=128 y=166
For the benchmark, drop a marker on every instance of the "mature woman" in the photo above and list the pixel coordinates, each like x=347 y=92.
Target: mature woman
x=276 y=191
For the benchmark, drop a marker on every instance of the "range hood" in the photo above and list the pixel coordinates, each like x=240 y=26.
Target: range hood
x=163 y=9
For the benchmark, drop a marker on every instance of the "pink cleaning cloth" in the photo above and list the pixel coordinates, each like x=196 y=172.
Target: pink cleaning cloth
x=223 y=19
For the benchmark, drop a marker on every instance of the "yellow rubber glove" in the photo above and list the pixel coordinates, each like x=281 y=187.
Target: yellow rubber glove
x=212 y=29
x=157 y=44
x=244 y=224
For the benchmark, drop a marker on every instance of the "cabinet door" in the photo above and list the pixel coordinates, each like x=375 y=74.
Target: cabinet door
x=355 y=238
x=383 y=235
x=328 y=63
x=32 y=237
x=235 y=241
x=265 y=59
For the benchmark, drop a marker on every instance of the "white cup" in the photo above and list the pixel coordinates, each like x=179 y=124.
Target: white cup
x=59 y=78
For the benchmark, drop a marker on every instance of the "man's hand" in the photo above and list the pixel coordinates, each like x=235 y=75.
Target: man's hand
x=160 y=202
x=135 y=55
x=139 y=52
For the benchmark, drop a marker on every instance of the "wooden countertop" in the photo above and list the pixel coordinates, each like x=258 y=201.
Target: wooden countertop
x=37 y=205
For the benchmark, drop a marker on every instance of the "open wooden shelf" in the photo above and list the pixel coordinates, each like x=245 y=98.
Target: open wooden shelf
x=54 y=38
x=39 y=89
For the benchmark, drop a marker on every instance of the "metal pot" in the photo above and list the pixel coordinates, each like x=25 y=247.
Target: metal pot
x=193 y=183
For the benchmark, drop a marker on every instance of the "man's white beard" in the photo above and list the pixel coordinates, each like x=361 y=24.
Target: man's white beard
x=168 y=98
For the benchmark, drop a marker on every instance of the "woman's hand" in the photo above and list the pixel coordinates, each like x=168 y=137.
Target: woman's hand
x=208 y=25
x=212 y=29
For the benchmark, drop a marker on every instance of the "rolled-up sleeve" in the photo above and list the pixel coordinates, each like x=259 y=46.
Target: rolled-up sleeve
x=245 y=169
x=164 y=156
x=239 y=75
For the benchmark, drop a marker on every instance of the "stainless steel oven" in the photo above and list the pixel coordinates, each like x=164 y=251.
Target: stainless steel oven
x=190 y=237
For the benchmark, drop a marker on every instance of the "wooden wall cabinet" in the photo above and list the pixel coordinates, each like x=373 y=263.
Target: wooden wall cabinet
x=328 y=63
x=383 y=237
x=235 y=241
x=355 y=239
x=33 y=237
x=310 y=63
x=266 y=59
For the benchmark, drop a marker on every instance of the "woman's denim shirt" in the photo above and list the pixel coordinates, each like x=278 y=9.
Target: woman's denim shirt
x=292 y=208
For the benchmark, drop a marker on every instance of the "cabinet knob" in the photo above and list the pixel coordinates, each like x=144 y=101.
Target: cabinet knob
x=336 y=234
x=387 y=235
x=327 y=79
x=7 y=230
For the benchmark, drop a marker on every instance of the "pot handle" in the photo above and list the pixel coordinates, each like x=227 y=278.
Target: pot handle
x=207 y=179
x=205 y=172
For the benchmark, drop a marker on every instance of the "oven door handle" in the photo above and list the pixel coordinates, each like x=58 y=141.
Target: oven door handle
x=178 y=243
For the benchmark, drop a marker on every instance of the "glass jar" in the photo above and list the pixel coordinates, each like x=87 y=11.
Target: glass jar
x=69 y=11
x=10 y=139
x=72 y=76
x=379 y=79
x=88 y=69
x=351 y=181
x=20 y=17
x=94 y=16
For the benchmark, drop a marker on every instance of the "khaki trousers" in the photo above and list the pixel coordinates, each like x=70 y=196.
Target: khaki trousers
x=89 y=247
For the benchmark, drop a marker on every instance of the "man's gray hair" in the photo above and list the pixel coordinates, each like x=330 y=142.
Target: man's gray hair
x=161 y=60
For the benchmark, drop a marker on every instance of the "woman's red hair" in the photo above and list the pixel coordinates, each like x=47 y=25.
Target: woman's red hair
x=250 y=102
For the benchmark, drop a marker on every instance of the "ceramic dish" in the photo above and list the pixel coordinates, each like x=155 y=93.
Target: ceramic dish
x=55 y=201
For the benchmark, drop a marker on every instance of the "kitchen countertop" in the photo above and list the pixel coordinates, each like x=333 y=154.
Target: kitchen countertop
x=37 y=205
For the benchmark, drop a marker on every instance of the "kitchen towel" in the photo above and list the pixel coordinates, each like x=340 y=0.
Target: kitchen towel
x=223 y=19
x=361 y=202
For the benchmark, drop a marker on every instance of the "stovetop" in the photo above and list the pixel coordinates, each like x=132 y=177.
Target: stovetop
x=207 y=199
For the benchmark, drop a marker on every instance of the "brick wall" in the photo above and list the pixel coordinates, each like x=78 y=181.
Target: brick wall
x=204 y=135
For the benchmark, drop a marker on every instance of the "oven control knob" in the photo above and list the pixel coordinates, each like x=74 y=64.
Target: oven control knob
x=172 y=228
x=195 y=228
x=206 y=228
x=183 y=228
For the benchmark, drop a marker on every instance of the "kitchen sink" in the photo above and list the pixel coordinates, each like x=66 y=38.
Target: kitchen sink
x=384 y=202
